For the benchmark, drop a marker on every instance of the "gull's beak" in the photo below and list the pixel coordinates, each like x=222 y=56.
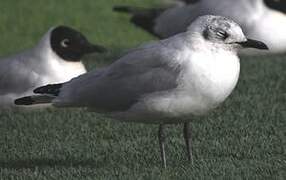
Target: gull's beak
x=93 y=48
x=250 y=43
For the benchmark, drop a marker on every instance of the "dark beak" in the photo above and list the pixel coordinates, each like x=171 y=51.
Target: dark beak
x=92 y=48
x=250 y=43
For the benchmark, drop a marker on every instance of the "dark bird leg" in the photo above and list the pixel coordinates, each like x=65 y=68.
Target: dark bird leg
x=188 y=140
x=161 y=137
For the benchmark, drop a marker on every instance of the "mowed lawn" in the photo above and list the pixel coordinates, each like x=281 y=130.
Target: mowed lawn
x=245 y=138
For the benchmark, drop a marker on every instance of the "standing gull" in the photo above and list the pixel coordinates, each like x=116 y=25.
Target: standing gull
x=161 y=82
x=55 y=59
x=256 y=19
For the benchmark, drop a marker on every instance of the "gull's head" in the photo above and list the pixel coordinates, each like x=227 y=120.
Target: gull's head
x=223 y=32
x=71 y=45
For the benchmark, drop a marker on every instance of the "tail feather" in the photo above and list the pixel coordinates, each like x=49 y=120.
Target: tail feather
x=142 y=17
x=37 y=99
x=138 y=10
x=124 y=9
x=190 y=1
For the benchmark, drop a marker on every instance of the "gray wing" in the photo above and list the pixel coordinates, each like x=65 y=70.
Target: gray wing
x=176 y=20
x=16 y=76
x=122 y=84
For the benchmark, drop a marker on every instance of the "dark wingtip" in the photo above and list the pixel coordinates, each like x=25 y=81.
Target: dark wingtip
x=24 y=101
x=121 y=9
x=38 y=90
x=101 y=49
x=52 y=89
x=190 y=1
x=91 y=48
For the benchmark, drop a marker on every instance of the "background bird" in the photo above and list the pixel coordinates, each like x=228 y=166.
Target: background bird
x=55 y=59
x=256 y=19
x=279 y=5
x=161 y=82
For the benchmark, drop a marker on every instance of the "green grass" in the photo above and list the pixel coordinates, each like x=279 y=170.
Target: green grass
x=245 y=138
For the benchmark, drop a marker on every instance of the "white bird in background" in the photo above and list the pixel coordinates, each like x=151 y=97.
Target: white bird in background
x=55 y=59
x=279 y=5
x=256 y=19
x=161 y=82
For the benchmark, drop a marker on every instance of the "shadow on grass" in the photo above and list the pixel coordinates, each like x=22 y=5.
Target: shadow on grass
x=42 y=163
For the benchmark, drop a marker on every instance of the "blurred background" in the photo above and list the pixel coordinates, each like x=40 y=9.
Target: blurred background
x=245 y=138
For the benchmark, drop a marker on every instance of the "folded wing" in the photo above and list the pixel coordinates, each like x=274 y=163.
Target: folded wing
x=143 y=71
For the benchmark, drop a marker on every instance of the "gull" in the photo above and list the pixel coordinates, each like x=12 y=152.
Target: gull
x=162 y=82
x=274 y=4
x=279 y=5
x=256 y=19
x=55 y=59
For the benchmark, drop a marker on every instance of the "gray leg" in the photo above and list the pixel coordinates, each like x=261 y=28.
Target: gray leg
x=161 y=136
x=188 y=140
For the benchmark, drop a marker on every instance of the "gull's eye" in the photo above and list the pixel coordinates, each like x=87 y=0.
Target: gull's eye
x=218 y=32
x=65 y=43
x=222 y=34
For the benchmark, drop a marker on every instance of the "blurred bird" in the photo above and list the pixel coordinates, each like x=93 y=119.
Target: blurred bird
x=279 y=5
x=55 y=59
x=170 y=3
x=257 y=20
x=179 y=2
x=161 y=82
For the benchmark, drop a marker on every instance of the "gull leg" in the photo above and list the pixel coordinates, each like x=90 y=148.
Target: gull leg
x=161 y=137
x=188 y=140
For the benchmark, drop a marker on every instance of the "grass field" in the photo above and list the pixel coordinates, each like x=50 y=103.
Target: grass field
x=243 y=139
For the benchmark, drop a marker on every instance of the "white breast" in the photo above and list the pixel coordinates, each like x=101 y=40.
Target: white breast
x=208 y=79
x=211 y=78
x=64 y=71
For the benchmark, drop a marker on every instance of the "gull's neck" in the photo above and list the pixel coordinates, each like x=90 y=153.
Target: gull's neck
x=44 y=49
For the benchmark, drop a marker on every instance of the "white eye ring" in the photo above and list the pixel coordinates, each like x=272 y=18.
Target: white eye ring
x=65 y=43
